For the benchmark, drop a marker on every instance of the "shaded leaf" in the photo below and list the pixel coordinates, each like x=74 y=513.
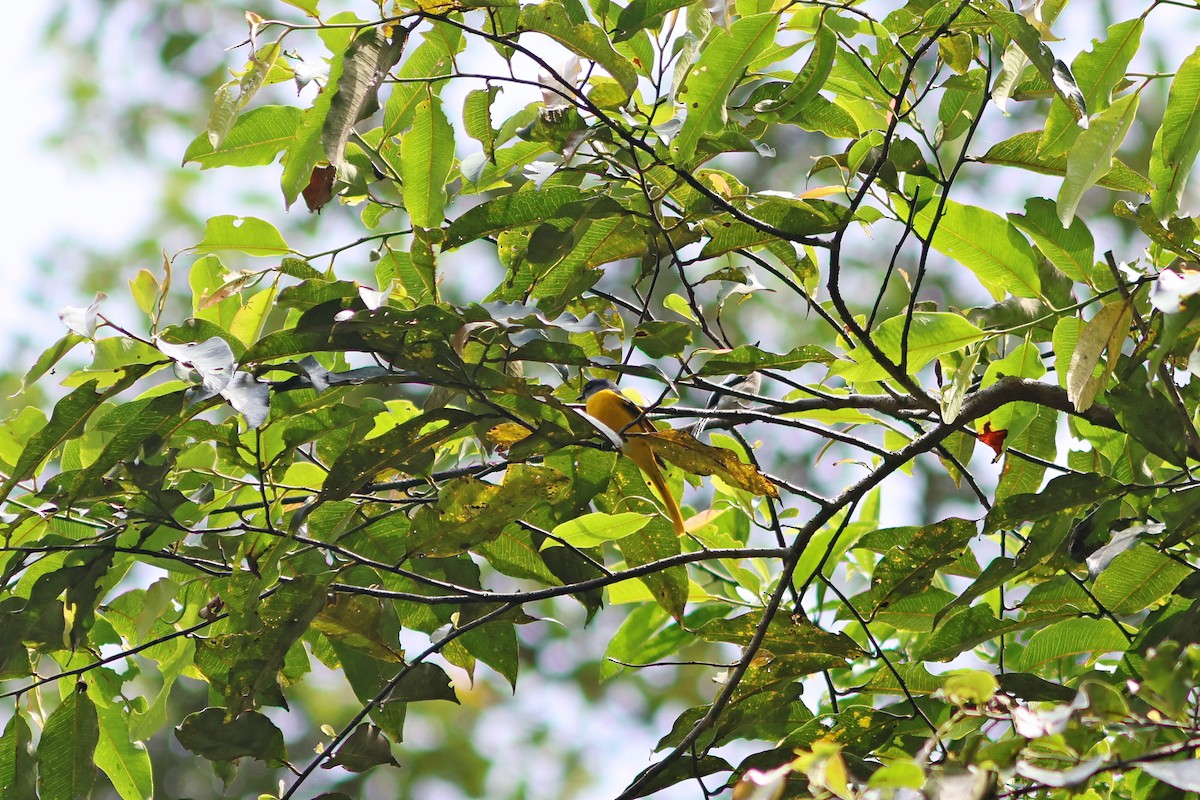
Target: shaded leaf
x=210 y=735
x=366 y=747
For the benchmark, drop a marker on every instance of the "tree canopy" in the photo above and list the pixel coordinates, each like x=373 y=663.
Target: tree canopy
x=940 y=542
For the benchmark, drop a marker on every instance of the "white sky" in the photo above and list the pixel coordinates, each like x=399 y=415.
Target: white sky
x=48 y=197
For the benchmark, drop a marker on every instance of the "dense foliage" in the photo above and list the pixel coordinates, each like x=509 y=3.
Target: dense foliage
x=364 y=461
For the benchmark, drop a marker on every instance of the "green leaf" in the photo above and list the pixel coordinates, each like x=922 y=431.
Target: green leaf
x=1091 y=156
x=654 y=541
x=400 y=448
x=659 y=339
x=1071 y=250
x=125 y=762
x=307 y=6
x=595 y=529
x=1177 y=141
x=510 y=211
x=641 y=14
x=1069 y=638
x=367 y=676
x=210 y=735
x=1097 y=72
x=424 y=681
x=65 y=753
x=495 y=644
x=723 y=62
x=51 y=356
x=962 y=103
x=255 y=139
x=745 y=359
x=18 y=775
x=426 y=157
x=1066 y=493
x=913 y=558
x=808 y=82
x=985 y=243
x=931 y=334
x=246 y=234
x=433 y=58
x=822 y=116
x=804 y=647
x=649 y=633
x=1151 y=419
x=969 y=687
x=958 y=633
x=794 y=217
x=357 y=621
x=583 y=38
x=1137 y=579
x=67 y=422
x=469 y=512
x=477 y=118
x=1021 y=151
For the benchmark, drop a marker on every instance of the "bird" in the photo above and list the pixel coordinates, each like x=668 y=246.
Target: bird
x=726 y=401
x=604 y=402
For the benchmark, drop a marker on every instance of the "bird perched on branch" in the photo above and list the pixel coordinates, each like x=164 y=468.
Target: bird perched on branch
x=604 y=402
x=721 y=400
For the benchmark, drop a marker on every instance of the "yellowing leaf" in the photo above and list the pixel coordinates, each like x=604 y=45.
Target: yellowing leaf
x=506 y=434
x=969 y=687
x=686 y=452
x=1106 y=330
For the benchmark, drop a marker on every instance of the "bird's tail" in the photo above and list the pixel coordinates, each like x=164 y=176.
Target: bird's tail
x=660 y=485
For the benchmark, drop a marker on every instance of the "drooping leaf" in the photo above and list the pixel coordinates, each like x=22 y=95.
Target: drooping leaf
x=65 y=753
x=426 y=157
x=686 y=452
x=582 y=38
x=1177 y=141
x=364 y=65
x=722 y=64
x=1091 y=156
x=124 y=761
x=1105 y=331
x=18 y=773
